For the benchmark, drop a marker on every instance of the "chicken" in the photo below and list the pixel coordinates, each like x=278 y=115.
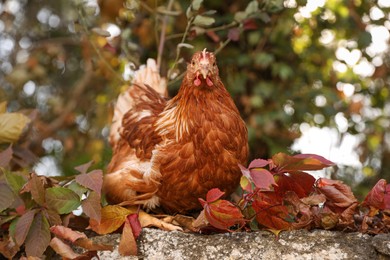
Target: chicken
x=169 y=153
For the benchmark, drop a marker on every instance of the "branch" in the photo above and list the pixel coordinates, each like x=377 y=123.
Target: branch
x=162 y=35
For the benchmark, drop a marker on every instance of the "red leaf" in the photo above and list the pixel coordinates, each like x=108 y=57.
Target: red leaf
x=222 y=214
x=127 y=244
x=299 y=182
x=258 y=163
x=262 y=178
x=92 y=180
x=92 y=207
x=270 y=212
x=299 y=162
x=135 y=224
x=337 y=193
x=376 y=197
x=214 y=194
x=301 y=210
x=84 y=167
x=245 y=184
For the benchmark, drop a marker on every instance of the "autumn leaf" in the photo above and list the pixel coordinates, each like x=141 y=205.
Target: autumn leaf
x=52 y=216
x=260 y=177
x=302 y=213
x=23 y=226
x=62 y=200
x=213 y=195
x=66 y=233
x=135 y=224
x=299 y=182
x=90 y=245
x=92 y=180
x=221 y=214
x=270 y=212
x=35 y=186
x=38 y=237
x=301 y=162
x=7 y=196
x=379 y=196
x=91 y=206
x=12 y=126
x=246 y=184
x=337 y=193
x=258 y=163
x=6 y=156
x=84 y=167
x=63 y=249
x=8 y=248
x=112 y=217
x=127 y=244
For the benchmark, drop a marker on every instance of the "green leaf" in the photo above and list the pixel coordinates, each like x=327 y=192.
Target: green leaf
x=240 y=16
x=38 y=237
x=252 y=7
x=7 y=197
x=201 y=20
x=77 y=188
x=196 y=4
x=12 y=126
x=62 y=200
x=15 y=181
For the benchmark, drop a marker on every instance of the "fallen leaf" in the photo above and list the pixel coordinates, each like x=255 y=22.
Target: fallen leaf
x=66 y=233
x=63 y=249
x=135 y=224
x=112 y=218
x=337 y=193
x=127 y=244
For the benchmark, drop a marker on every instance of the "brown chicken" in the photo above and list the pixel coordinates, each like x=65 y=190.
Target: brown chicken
x=169 y=153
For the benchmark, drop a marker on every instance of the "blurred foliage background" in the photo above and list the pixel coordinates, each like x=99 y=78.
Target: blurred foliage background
x=290 y=65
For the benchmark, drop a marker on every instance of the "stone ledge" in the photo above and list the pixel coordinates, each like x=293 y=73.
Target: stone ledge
x=300 y=244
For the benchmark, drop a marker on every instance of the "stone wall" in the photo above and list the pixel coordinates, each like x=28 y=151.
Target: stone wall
x=301 y=244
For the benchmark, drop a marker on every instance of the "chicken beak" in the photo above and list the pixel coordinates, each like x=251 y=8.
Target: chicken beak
x=204 y=72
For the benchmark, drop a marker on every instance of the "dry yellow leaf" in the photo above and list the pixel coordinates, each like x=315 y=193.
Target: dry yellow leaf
x=12 y=126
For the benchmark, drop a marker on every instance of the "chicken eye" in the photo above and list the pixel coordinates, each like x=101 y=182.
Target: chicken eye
x=193 y=63
x=214 y=64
